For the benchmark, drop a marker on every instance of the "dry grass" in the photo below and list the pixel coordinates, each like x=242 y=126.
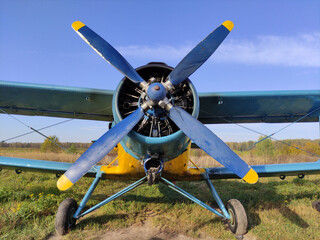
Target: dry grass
x=49 y=156
x=276 y=209
x=198 y=156
x=204 y=160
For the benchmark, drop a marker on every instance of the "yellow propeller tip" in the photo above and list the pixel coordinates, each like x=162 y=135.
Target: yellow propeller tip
x=77 y=25
x=251 y=177
x=228 y=24
x=64 y=183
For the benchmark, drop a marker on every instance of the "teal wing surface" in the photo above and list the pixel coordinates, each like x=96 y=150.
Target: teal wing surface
x=95 y=104
x=55 y=101
x=267 y=170
x=258 y=107
x=24 y=164
x=270 y=170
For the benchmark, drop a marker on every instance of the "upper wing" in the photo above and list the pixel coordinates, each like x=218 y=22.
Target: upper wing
x=56 y=101
x=94 y=104
x=256 y=107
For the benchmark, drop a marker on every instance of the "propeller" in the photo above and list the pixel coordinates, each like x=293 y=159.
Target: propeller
x=156 y=96
x=107 y=52
x=211 y=144
x=198 y=55
x=99 y=150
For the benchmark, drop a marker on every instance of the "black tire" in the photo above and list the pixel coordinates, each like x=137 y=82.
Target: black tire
x=316 y=205
x=238 y=222
x=64 y=217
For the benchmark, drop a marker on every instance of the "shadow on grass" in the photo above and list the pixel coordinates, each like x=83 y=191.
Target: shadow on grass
x=293 y=217
x=102 y=219
x=266 y=196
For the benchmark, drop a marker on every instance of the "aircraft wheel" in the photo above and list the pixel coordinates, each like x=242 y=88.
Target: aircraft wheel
x=238 y=222
x=64 y=217
x=316 y=205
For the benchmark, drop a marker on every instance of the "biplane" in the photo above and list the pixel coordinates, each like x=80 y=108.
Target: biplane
x=155 y=115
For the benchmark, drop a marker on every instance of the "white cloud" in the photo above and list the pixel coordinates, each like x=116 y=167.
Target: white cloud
x=155 y=52
x=94 y=128
x=301 y=50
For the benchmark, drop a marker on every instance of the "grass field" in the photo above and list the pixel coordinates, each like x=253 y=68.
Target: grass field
x=276 y=209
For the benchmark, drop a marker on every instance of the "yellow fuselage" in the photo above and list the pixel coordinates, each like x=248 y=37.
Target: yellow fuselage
x=130 y=168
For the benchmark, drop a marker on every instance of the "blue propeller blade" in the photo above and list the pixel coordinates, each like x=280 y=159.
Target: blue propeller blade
x=106 y=51
x=99 y=150
x=197 y=56
x=211 y=144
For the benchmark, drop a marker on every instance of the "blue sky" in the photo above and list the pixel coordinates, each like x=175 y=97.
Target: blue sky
x=275 y=45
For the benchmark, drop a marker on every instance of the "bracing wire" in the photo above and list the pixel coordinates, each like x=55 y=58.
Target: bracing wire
x=252 y=130
x=24 y=134
x=37 y=131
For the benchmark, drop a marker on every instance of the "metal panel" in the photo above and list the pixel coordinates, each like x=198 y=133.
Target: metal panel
x=38 y=165
x=256 y=107
x=270 y=170
x=56 y=101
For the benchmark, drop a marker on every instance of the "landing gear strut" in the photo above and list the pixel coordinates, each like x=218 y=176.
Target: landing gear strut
x=235 y=214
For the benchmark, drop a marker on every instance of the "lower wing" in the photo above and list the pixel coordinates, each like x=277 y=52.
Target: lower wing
x=267 y=170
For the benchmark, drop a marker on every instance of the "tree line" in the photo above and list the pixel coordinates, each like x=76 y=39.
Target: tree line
x=266 y=147
x=262 y=147
x=78 y=145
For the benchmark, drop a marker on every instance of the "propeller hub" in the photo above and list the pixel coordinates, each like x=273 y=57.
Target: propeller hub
x=156 y=92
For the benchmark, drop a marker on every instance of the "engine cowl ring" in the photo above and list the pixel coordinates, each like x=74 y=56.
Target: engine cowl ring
x=156 y=132
x=155 y=122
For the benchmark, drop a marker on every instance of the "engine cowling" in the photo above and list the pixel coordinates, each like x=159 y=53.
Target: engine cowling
x=155 y=133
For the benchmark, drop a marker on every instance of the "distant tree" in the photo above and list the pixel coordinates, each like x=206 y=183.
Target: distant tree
x=50 y=146
x=72 y=149
x=265 y=148
x=243 y=146
x=312 y=147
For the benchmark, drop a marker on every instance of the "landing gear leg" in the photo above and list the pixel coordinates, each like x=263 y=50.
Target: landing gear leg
x=192 y=198
x=235 y=212
x=69 y=212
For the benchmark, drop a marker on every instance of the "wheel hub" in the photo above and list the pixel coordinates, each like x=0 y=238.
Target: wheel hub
x=231 y=213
